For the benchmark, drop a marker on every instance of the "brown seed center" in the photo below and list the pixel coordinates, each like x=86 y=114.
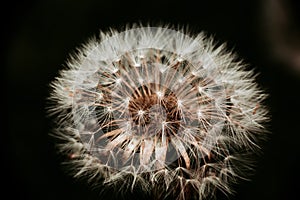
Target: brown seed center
x=152 y=106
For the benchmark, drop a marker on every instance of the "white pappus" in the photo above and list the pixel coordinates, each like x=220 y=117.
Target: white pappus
x=155 y=108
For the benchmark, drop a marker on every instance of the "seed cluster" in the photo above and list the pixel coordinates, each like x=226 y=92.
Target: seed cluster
x=174 y=113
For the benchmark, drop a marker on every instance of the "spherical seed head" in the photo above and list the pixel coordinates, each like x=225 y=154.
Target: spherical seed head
x=174 y=112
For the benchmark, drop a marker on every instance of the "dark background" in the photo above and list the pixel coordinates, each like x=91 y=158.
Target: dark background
x=37 y=37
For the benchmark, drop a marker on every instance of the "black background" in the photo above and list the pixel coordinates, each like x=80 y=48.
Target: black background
x=37 y=37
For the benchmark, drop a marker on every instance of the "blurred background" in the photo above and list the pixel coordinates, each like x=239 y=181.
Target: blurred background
x=37 y=37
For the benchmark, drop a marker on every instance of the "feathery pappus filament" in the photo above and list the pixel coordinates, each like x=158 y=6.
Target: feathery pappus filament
x=155 y=108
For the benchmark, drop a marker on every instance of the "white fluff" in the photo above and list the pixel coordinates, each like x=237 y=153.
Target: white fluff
x=157 y=108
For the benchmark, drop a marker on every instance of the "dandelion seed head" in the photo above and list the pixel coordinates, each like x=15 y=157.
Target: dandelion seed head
x=172 y=111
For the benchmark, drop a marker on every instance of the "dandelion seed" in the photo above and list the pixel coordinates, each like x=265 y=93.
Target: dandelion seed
x=157 y=109
x=118 y=81
x=141 y=112
x=159 y=94
x=179 y=103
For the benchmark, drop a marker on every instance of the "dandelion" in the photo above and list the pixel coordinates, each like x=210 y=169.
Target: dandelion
x=157 y=109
